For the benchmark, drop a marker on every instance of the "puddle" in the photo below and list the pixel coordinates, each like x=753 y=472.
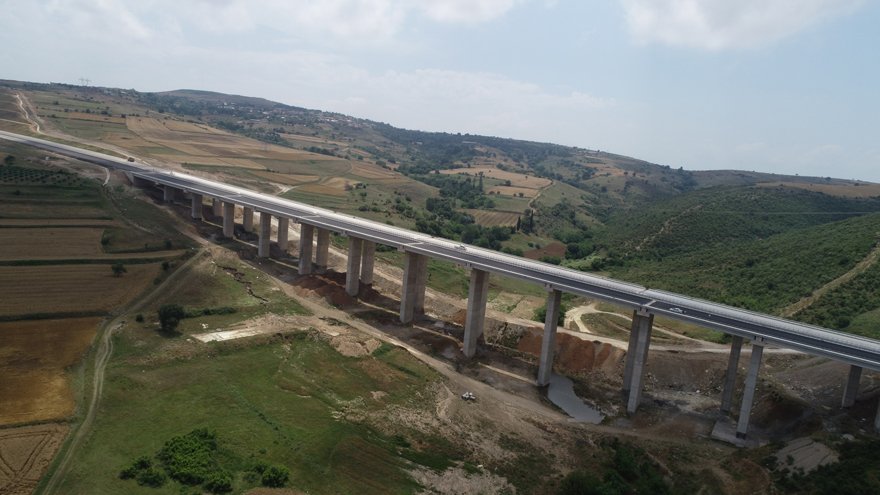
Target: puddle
x=561 y=392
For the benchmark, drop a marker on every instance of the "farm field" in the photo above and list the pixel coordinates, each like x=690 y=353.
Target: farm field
x=516 y=179
x=854 y=190
x=25 y=453
x=49 y=243
x=490 y=218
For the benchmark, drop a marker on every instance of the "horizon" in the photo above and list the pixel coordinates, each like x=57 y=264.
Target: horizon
x=717 y=85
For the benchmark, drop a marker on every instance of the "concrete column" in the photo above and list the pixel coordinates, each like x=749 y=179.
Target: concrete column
x=228 y=219
x=877 y=418
x=283 y=231
x=323 y=249
x=421 y=283
x=368 y=260
x=742 y=425
x=476 y=310
x=409 y=291
x=353 y=269
x=851 y=391
x=216 y=207
x=196 y=206
x=265 y=235
x=643 y=342
x=630 y=353
x=548 y=343
x=730 y=377
x=168 y=193
x=247 y=220
x=306 y=234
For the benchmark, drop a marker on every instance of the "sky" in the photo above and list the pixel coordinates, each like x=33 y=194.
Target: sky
x=784 y=86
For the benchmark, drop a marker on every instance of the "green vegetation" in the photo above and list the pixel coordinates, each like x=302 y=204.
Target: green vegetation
x=857 y=472
x=842 y=308
x=170 y=316
x=629 y=470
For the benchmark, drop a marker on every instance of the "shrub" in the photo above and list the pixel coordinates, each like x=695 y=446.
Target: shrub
x=151 y=477
x=219 y=482
x=275 y=476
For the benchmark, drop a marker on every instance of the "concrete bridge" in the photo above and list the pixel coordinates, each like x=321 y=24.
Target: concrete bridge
x=316 y=224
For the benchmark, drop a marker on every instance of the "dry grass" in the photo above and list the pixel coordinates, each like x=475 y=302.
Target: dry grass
x=70 y=288
x=33 y=359
x=516 y=179
x=862 y=190
x=288 y=179
x=50 y=243
x=52 y=222
x=371 y=171
x=45 y=211
x=94 y=117
x=494 y=218
x=513 y=191
x=25 y=453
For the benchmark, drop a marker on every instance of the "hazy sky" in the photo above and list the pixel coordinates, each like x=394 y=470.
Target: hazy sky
x=789 y=86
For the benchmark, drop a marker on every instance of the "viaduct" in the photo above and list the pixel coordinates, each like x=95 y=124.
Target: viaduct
x=316 y=224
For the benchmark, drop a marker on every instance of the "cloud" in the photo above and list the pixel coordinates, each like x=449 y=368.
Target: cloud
x=726 y=24
x=466 y=11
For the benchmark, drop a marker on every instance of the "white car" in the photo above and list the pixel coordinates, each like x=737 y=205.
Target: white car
x=677 y=310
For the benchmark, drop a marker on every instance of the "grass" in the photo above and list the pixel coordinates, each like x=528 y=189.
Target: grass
x=283 y=402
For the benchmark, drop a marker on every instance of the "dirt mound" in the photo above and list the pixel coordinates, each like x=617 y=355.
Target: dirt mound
x=574 y=355
x=330 y=287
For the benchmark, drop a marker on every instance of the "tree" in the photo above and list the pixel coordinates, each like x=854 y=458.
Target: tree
x=170 y=316
x=275 y=476
x=118 y=269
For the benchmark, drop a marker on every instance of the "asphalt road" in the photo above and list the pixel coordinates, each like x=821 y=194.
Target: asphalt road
x=756 y=327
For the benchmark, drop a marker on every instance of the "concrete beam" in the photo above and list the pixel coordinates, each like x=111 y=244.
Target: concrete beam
x=548 y=343
x=228 y=219
x=196 y=206
x=283 y=232
x=421 y=283
x=322 y=255
x=306 y=241
x=216 y=207
x=409 y=292
x=247 y=219
x=476 y=310
x=265 y=235
x=851 y=390
x=644 y=323
x=745 y=410
x=368 y=261
x=730 y=377
x=353 y=268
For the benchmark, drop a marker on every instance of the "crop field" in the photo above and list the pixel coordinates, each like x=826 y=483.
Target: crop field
x=516 y=179
x=70 y=288
x=25 y=453
x=854 y=190
x=489 y=218
x=49 y=243
x=36 y=385
x=523 y=192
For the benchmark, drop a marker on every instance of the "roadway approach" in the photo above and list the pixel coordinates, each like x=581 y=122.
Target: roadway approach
x=759 y=330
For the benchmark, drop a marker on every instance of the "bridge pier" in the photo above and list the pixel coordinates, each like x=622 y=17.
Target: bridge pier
x=196 y=206
x=265 y=235
x=548 y=342
x=283 y=232
x=742 y=424
x=306 y=235
x=247 y=219
x=730 y=377
x=368 y=261
x=322 y=254
x=353 y=268
x=637 y=358
x=851 y=390
x=168 y=193
x=228 y=219
x=421 y=283
x=216 y=207
x=413 y=285
x=476 y=311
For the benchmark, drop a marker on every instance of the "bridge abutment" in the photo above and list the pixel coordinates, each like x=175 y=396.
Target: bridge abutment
x=730 y=377
x=306 y=241
x=353 y=267
x=476 y=311
x=548 y=342
x=745 y=410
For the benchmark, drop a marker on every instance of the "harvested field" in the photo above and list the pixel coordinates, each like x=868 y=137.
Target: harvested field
x=96 y=117
x=488 y=218
x=70 y=288
x=553 y=249
x=25 y=454
x=513 y=191
x=333 y=187
x=50 y=243
x=516 y=179
x=289 y=179
x=370 y=171
x=35 y=385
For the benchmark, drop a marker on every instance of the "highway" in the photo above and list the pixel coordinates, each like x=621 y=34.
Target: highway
x=759 y=328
